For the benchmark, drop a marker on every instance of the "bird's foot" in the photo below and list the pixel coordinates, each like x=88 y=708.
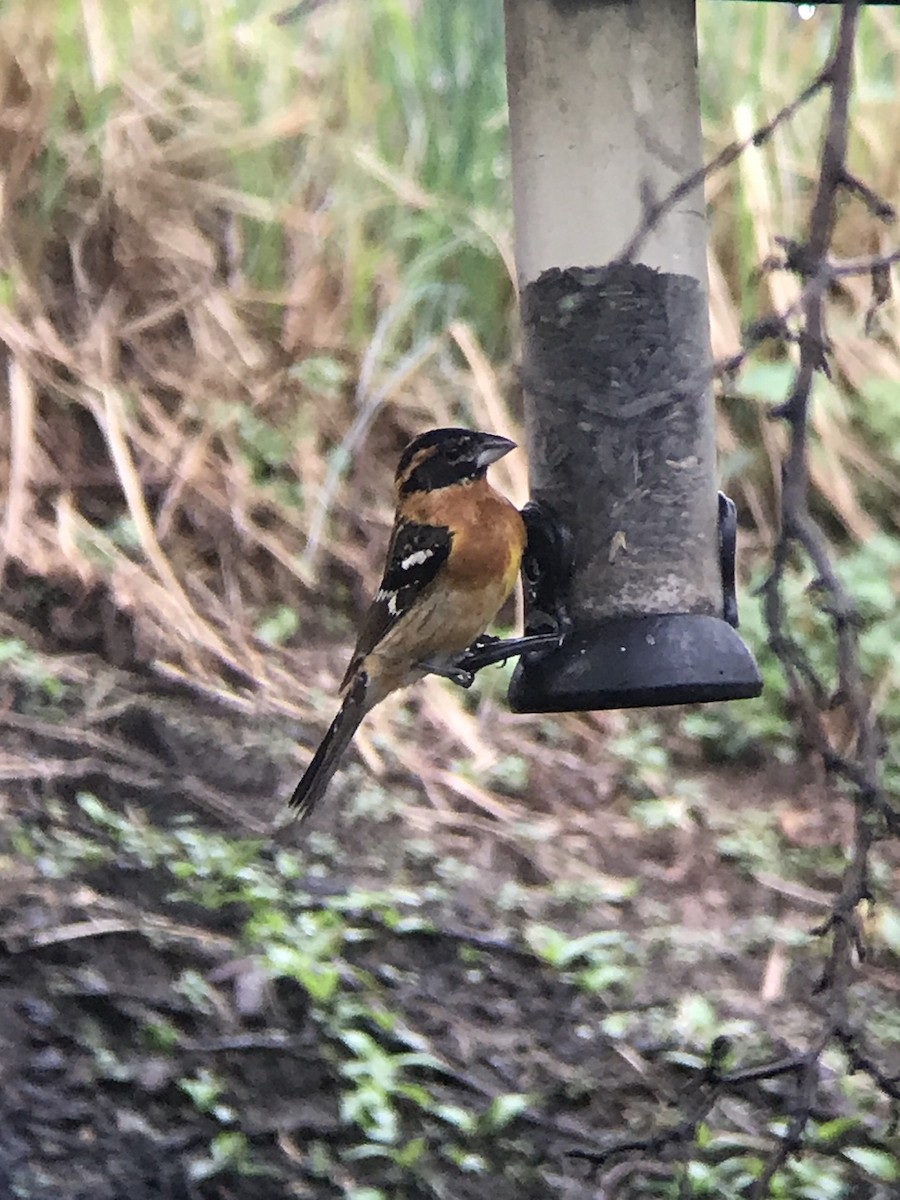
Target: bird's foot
x=456 y=674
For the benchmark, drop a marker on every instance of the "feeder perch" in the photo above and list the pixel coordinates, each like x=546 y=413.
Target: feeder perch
x=605 y=119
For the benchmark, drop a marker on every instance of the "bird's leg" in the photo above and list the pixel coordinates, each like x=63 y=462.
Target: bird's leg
x=457 y=674
x=486 y=654
x=483 y=642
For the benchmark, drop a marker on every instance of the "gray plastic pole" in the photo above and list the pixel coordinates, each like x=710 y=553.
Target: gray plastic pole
x=605 y=119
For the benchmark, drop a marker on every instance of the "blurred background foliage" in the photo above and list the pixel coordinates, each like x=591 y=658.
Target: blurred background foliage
x=241 y=259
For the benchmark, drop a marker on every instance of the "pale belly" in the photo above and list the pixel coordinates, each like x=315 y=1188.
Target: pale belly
x=439 y=640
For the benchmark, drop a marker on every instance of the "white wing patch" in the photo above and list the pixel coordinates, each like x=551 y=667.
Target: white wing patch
x=389 y=600
x=416 y=555
x=416 y=559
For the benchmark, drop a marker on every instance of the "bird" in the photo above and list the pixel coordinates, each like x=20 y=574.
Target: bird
x=453 y=558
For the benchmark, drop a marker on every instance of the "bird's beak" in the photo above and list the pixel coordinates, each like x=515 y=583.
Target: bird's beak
x=492 y=447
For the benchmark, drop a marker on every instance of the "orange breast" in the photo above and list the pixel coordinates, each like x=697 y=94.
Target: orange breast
x=488 y=541
x=488 y=535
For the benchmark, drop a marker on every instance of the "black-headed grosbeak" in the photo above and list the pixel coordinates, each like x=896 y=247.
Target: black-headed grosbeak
x=453 y=558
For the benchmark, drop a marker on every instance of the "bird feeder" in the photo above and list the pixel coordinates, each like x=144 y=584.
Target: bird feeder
x=617 y=370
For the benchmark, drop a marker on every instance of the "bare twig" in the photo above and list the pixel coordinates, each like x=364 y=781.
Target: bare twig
x=783 y=326
x=859 y=767
x=654 y=212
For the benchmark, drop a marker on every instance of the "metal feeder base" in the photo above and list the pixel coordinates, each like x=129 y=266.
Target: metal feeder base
x=632 y=662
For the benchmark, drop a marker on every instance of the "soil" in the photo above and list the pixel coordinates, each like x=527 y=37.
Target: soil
x=117 y=986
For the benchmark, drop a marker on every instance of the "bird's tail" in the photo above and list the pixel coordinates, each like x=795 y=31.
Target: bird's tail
x=326 y=759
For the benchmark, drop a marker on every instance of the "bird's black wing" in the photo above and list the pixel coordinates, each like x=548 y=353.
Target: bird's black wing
x=415 y=557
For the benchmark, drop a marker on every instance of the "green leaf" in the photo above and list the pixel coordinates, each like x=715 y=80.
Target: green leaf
x=505 y=1109
x=453 y=1114
x=325 y=376
x=93 y=808
x=606 y=975
x=406 y=1156
x=204 y=1090
x=888 y=928
x=877 y=1163
x=696 y=1018
x=278 y=626
x=830 y=1131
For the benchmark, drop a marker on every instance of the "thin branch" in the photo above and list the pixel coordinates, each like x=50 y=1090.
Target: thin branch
x=655 y=212
x=778 y=325
x=859 y=767
x=864 y=265
x=803 y=1102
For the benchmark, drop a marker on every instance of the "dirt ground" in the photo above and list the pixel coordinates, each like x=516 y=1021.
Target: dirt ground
x=117 y=985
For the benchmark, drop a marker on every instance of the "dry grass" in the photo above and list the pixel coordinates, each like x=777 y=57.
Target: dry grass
x=213 y=318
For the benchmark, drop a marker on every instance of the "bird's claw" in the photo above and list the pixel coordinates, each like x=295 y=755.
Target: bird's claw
x=456 y=674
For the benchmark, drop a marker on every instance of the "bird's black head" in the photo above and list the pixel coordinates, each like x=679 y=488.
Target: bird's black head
x=443 y=457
